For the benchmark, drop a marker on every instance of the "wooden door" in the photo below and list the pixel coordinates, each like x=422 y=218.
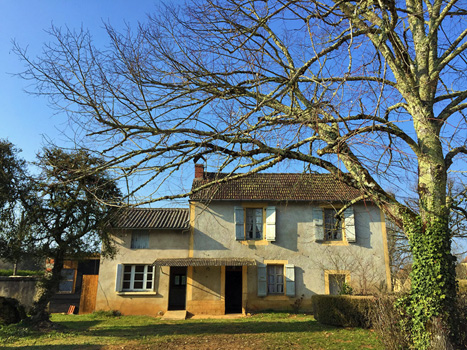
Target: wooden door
x=87 y=302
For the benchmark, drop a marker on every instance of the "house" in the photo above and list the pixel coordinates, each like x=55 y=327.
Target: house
x=260 y=242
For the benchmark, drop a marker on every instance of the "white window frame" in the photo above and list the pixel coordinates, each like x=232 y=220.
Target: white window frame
x=253 y=213
x=148 y=269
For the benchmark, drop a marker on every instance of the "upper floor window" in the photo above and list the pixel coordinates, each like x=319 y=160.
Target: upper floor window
x=139 y=240
x=254 y=223
x=332 y=226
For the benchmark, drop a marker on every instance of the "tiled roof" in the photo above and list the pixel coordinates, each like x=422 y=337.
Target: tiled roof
x=275 y=187
x=154 y=218
x=204 y=262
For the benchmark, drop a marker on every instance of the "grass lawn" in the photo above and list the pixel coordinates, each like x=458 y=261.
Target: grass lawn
x=262 y=331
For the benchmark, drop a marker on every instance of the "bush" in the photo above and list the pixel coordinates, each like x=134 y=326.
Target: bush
x=462 y=286
x=106 y=314
x=342 y=310
x=386 y=321
x=11 y=311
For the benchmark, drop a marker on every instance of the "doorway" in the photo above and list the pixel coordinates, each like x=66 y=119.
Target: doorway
x=233 y=289
x=177 y=288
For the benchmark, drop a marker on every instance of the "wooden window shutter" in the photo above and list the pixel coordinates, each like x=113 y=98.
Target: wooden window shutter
x=290 y=280
x=239 y=224
x=119 y=278
x=318 y=224
x=349 y=223
x=262 y=280
x=271 y=224
x=139 y=240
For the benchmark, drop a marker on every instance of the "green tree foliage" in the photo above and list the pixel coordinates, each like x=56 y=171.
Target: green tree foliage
x=15 y=193
x=372 y=92
x=69 y=213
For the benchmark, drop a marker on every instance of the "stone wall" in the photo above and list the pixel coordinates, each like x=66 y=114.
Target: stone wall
x=19 y=287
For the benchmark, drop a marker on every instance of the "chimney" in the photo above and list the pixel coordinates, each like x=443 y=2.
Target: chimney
x=199 y=171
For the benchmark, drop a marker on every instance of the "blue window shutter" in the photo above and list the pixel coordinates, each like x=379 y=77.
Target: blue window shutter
x=239 y=224
x=271 y=224
x=318 y=224
x=290 y=280
x=119 y=278
x=262 y=280
x=349 y=223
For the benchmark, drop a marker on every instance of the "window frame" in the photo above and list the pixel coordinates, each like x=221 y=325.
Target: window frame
x=329 y=214
x=72 y=279
x=328 y=273
x=254 y=224
x=275 y=283
x=132 y=273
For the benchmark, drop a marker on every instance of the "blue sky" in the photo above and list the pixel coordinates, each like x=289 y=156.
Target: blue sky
x=26 y=120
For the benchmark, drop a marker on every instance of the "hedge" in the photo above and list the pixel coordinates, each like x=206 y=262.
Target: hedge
x=342 y=310
x=462 y=286
x=9 y=273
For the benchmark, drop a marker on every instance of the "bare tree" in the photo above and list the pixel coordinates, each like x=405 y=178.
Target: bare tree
x=372 y=92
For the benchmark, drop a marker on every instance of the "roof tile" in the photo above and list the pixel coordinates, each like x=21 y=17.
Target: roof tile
x=274 y=187
x=154 y=218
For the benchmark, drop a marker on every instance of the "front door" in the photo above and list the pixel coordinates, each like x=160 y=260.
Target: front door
x=177 y=288
x=233 y=289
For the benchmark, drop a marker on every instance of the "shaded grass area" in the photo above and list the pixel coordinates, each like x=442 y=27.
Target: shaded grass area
x=262 y=331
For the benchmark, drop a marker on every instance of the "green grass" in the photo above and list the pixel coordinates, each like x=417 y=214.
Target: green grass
x=262 y=331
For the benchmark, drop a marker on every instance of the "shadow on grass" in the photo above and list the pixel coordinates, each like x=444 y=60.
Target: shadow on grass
x=209 y=328
x=79 y=325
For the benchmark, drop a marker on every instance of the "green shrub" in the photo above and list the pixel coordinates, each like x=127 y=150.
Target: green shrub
x=106 y=314
x=342 y=310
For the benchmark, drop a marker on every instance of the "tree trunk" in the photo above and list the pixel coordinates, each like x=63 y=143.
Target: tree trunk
x=49 y=286
x=431 y=305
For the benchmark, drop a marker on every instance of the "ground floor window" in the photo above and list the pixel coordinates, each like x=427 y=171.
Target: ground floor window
x=138 y=277
x=67 y=280
x=275 y=279
x=335 y=281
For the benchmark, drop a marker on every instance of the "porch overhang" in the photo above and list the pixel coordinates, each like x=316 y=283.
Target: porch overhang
x=204 y=262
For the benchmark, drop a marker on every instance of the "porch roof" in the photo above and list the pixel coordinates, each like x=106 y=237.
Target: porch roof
x=204 y=262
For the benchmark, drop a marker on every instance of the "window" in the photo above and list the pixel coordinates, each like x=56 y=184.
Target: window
x=275 y=279
x=336 y=282
x=254 y=223
x=67 y=281
x=138 y=278
x=139 y=240
x=332 y=226
x=250 y=223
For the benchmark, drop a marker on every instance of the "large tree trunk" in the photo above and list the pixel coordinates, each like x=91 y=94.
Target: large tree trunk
x=431 y=305
x=49 y=286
